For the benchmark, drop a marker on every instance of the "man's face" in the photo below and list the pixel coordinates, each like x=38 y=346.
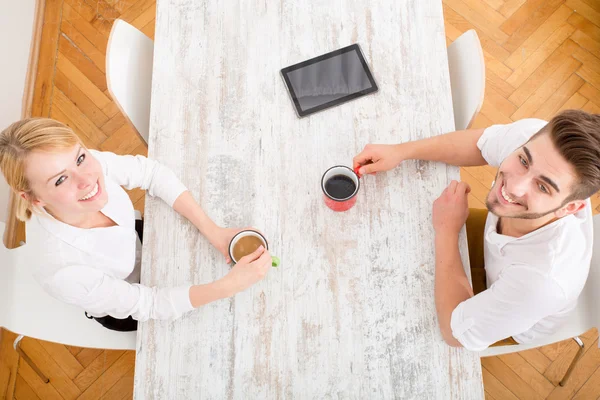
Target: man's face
x=532 y=182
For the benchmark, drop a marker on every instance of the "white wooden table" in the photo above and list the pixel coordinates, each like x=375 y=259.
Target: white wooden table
x=350 y=313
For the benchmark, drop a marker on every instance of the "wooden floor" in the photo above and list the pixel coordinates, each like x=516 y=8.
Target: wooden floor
x=541 y=57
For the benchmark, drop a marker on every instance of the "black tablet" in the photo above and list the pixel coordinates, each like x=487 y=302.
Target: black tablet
x=328 y=80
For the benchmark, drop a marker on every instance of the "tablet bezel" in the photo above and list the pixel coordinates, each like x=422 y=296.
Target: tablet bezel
x=312 y=110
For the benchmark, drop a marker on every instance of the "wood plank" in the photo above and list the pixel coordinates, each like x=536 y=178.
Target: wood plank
x=478 y=189
x=589 y=92
x=114 y=373
x=82 y=82
x=46 y=64
x=135 y=10
x=61 y=381
x=482 y=9
x=575 y=102
x=584 y=25
x=74 y=350
x=537 y=38
x=503 y=88
x=521 y=16
x=488 y=44
x=104 y=9
x=81 y=7
x=583 y=370
x=510 y=7
x=549 y=46
x=547 y=8
x=85 y=46
x=552 y=63
x=595 y=4
x=482 y=175
x=547 y=88
x=96 y=368
x=111 y=110
x=4 y=382
x=481 y=121
x=584 y=9
x=537 y=359
x=81 y=62
x=59 y=115
x=590 y=76
x=86 y=126
x=495 y=4
x=79 y=99
x=30 y=78
x=528 y=374
x=23 y=391
x=508 y=377
x=103 y=25
x=123 y=141
x=121 y=5
x=569 y=348
x=63 y=357
x=589 y=60
x=9 y=358
x=123 y=389
x=551 y=106
x=146 y=17
x=496 y=107
x=99 y=41
x=42 y=389
x=586 y=42
x=87 y=356
x=114 y=124
x=493 y=385
x=148 y=30
x=591 y=107
x=478 y=20
x=590 y=389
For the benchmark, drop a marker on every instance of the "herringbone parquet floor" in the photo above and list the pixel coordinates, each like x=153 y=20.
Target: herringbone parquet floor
x=541 y=56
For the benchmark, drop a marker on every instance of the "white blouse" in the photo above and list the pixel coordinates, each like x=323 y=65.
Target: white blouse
x=98 y=269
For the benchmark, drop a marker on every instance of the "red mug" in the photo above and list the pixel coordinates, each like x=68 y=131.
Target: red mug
x=340 y=186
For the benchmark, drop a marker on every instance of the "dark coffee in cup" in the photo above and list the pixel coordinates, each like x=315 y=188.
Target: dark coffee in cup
x=340 y=187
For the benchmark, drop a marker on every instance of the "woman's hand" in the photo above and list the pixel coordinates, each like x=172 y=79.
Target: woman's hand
x=221 y=238
x=248 y=270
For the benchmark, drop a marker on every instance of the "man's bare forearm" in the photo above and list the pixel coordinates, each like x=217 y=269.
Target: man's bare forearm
x=455 y=148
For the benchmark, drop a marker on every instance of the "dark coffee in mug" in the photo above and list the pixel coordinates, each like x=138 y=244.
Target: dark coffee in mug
x=340 y=187
x=245 y=246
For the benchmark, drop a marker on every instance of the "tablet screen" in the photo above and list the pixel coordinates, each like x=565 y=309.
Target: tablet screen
x=328 y=80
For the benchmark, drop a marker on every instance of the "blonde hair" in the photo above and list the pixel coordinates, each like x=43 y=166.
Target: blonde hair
x=18 y=141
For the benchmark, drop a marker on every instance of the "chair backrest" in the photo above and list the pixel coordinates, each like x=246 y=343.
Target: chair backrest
x=467 y=78
x=26 y=309
x=129 y=58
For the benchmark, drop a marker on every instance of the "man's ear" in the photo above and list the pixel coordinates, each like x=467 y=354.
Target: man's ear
x=570 y=208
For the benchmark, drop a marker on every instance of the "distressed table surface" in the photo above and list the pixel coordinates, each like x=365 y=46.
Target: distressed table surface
x=350 y=312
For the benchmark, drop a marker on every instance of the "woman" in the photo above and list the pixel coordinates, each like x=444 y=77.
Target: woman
x=86 y=235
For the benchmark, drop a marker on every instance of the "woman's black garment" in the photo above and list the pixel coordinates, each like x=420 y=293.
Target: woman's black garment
x=128 y=324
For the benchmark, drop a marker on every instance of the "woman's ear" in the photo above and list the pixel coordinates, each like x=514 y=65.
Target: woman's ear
x=31 y=199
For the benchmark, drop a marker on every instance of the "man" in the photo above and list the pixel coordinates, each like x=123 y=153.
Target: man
x=537 y=239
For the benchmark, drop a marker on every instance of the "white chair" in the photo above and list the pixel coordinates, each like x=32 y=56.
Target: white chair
x=585 y=317
x=129 y=58
x=467 y=78
x=27 y=310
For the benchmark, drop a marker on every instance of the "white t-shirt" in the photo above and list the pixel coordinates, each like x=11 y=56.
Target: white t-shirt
x=99 y=269
x=533 y=281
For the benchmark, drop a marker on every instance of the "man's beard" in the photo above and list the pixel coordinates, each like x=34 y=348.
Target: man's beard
x=490 y=206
